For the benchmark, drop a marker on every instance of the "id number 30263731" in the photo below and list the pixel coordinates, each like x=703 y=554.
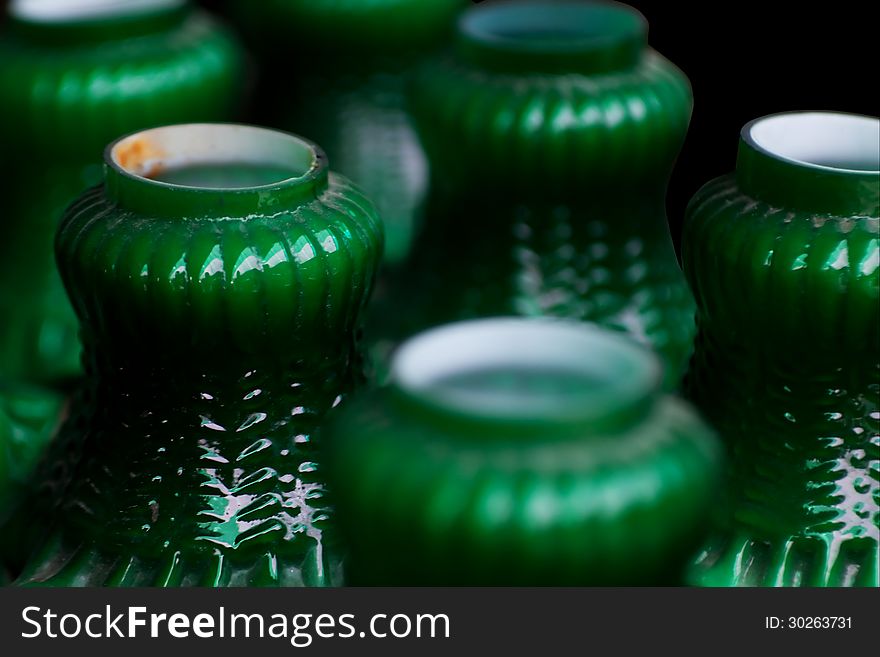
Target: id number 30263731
x=808 y=622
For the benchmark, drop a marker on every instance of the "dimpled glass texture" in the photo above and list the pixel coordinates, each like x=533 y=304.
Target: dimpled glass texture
x=784 y=261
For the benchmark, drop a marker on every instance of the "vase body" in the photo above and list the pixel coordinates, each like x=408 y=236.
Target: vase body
x=219 y=327
x=549 y=163
x=351 y=98
x=69 y=85
x=783 y=260
x=521 y=452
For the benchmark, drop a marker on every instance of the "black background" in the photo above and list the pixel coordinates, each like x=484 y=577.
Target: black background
x=748 y=59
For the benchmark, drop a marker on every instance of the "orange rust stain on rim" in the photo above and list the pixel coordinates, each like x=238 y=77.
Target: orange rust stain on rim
x=139 y=156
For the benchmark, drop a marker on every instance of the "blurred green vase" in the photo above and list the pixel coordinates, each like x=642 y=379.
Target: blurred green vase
x=219 y=275
x=30 y=416
x=551 y=132
x=75 y=75
x=28 y=419
x=349 y=91
x=783 y=257
x=521 y=451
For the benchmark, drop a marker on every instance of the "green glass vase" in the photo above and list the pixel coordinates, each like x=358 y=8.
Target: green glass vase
x=74 y=76
x=551 y=132
x=520 y=451
x=350 y=97
x=219 y=275
x=783 y=259
x=28 y=419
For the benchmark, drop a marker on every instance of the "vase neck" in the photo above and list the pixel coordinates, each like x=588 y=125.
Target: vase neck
x=136 y=165
x=558 y=36
x=66 y=23
x=824 y=162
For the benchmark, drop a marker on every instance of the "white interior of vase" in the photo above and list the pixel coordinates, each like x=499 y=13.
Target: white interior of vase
x=825 y=140
x=516 y=368
x=74 y=10
x=149 y=153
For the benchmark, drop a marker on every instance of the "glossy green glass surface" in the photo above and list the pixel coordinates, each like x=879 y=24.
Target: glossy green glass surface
x=551 y=132
x=68 y=86
x=520 y=452
x=351 y=97
x=784 y=260
x=219 y=327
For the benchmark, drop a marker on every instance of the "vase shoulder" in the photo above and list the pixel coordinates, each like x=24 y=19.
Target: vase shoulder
x=810 y=274
x=268 y=274
x=546 y=127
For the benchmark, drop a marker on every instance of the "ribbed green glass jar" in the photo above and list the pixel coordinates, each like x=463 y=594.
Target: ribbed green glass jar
x=551 y=132
x=219 y=275
x=75 y=75
x=350 y=95
x=520 y=451
x=784 y=260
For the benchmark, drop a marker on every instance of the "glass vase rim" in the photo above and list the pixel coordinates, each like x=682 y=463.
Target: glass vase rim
x=597 y=35
x=748 y=137
x=133 y=189
x=57 y=13
x=518 y=343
